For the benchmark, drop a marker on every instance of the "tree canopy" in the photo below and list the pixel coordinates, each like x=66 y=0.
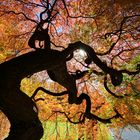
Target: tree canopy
x=73 y=64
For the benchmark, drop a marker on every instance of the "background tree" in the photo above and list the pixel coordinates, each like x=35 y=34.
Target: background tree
x=111 y=28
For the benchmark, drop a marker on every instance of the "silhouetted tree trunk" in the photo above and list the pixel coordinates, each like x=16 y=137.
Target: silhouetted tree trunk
x=21 y=110
x=16 y=105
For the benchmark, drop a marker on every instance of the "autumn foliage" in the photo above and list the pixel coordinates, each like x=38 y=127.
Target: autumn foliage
x=112 y=29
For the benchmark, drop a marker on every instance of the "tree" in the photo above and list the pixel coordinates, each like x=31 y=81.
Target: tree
x=67 y=23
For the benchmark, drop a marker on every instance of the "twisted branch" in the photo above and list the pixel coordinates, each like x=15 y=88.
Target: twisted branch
x=79 y=100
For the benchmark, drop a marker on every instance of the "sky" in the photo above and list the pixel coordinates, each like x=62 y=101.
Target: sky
x=128 y=133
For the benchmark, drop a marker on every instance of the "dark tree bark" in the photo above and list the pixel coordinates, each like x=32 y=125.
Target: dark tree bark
x=16 y=105
x=20 y=109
